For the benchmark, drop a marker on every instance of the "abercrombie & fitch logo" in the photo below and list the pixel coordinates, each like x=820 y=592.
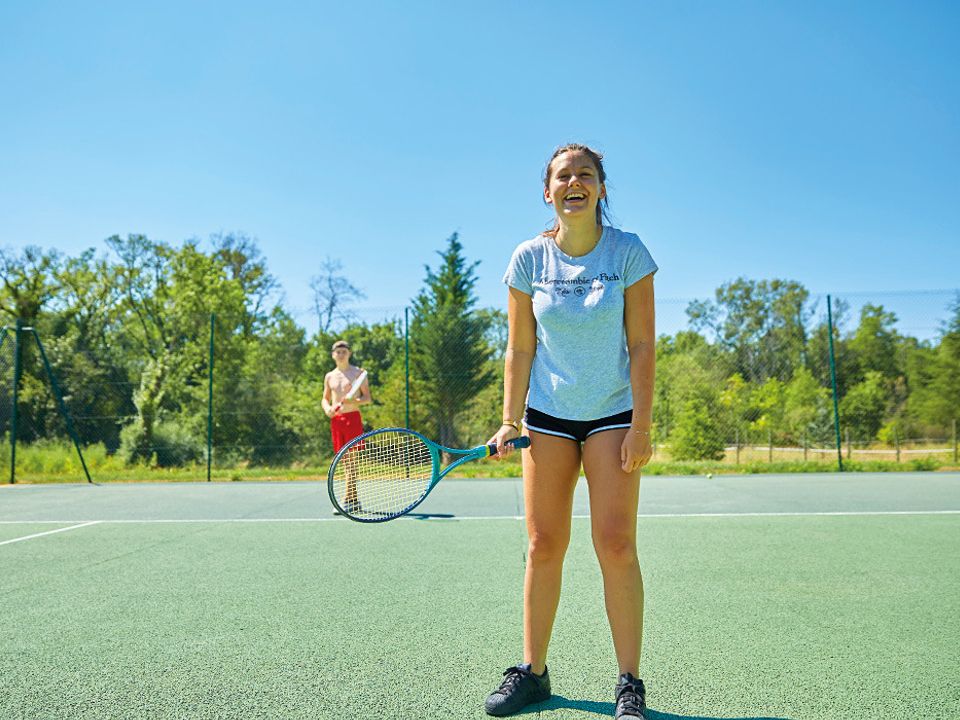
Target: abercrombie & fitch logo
x=596 y=283
x=602 y=277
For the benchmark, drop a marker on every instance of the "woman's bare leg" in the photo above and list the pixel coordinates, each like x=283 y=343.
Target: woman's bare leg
x=550 y=472
x=614 y=496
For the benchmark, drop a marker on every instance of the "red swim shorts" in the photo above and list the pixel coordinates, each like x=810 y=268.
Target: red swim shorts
x=344 y=428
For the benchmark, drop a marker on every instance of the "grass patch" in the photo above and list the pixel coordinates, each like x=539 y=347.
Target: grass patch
x=705 y=467
x=57 y=462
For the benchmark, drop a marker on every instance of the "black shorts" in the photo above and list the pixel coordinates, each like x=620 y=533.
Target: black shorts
x=578 y=430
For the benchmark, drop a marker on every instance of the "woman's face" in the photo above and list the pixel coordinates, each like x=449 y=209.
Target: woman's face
x=574 y=186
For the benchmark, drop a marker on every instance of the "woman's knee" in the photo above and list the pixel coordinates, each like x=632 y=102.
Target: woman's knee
x=547 y=547
x=615 y=546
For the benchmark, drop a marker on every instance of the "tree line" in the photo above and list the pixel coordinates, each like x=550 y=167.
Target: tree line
x=755 y=365
x=129 y=335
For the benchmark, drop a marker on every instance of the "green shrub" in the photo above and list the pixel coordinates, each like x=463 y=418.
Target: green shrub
x=925 y=464
x=170 y=444
x=696 y=435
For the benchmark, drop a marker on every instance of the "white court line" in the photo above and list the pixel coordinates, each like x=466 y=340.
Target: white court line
x=49 y=532
x=416 y=516
x=841 y=513
x=654 y=516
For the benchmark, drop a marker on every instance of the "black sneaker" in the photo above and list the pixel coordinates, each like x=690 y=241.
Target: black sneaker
x=631 y=698
x=520 y=687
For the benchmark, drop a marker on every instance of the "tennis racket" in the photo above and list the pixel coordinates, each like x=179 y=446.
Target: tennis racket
x=353 y=391
x=386 y=473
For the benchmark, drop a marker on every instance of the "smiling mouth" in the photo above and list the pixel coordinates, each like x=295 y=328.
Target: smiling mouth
x=575 y=197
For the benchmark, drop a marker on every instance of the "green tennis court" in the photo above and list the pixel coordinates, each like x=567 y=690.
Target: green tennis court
x=767 y=597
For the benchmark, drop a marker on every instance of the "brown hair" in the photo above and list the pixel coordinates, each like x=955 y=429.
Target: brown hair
x=597 y=158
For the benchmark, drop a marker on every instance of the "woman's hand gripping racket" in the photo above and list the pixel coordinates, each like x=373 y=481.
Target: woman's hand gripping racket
x=386 y=473
x=354 y=389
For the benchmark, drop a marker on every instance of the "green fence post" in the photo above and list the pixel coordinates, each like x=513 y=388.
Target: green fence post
x=213 y=318
x=954 y=441
x=63 y=406
x=13 y=413
x=406 y=364
x=833 y=382
x=3 y=340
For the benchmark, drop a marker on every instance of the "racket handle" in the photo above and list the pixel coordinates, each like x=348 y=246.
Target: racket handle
x=518 y=443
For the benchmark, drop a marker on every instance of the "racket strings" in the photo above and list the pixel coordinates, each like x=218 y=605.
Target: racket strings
x=383 y=474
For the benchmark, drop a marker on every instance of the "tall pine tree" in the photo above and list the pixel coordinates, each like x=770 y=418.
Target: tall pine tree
x=448 y=350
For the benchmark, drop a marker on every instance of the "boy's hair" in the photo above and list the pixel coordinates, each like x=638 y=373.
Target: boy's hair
x=340 y=344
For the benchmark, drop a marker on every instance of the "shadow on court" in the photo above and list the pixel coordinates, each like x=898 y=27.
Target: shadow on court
x=654 y=715
x=606 y=709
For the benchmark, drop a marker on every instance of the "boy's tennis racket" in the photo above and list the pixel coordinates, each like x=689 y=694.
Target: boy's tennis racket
x=386 y=473
x=353 y=391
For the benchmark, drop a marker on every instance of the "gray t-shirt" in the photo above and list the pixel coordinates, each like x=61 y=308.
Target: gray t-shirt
x=581 y=370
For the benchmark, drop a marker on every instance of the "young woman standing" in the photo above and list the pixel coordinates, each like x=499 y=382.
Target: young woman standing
x=580 y=362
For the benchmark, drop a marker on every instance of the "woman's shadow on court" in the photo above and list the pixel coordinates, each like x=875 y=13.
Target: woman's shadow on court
x=606 y=709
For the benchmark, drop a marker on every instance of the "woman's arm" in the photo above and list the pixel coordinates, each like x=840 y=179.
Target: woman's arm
x=518 y=360
x=640 y=324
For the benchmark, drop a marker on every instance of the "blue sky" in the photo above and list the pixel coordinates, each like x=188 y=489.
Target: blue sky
x=815 y=141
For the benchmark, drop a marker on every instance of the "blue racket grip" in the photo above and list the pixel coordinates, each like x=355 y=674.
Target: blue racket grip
x=518 y=443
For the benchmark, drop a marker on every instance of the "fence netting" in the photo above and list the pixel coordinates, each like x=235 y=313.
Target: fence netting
x=743 y=378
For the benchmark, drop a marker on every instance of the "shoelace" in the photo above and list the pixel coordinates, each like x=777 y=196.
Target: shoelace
x=630 y=699
x=511 y=677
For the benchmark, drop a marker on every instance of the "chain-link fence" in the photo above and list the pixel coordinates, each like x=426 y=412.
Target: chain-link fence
x=759 y=376
x=765 y=374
